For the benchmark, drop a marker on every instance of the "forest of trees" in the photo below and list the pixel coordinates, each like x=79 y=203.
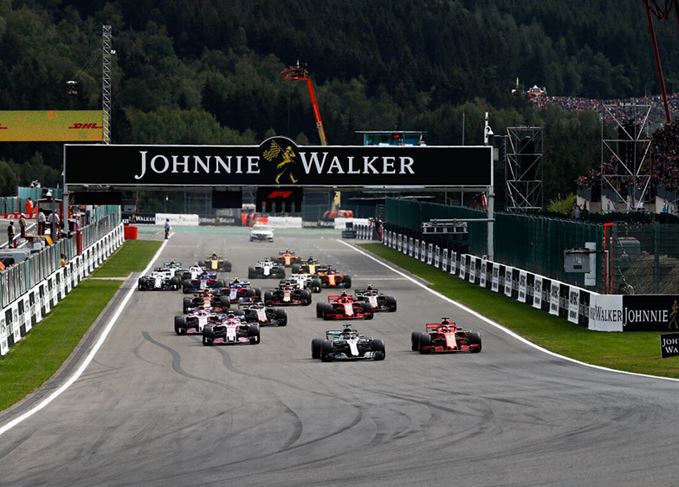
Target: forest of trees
x=199 y=71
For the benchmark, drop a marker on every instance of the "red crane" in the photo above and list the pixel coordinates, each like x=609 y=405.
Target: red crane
x=662 y=12
x=297 y=73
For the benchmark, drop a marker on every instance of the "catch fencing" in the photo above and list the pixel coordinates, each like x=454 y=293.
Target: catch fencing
x=30 y=289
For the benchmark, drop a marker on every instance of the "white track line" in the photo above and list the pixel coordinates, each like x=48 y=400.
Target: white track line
x=499 y=326
x=90 y=356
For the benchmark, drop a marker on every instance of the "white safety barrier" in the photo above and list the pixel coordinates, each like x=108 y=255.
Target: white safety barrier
x=178 y=219
x=341 y=222
x=29 y=309
x=576 y=304
x=285 y=222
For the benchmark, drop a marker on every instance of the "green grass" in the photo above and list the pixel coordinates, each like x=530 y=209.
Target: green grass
x=630 y=351
x=37 y=357
x=131 y=257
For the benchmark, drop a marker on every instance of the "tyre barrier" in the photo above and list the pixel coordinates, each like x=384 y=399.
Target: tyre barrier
x=30 y=308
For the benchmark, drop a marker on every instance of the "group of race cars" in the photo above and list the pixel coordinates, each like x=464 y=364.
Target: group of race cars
x=232 y=312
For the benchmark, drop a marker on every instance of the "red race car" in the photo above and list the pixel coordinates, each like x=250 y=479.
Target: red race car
x=344 y=307
x=445 y=337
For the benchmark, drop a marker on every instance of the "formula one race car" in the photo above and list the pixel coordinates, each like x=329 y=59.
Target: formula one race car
x=305 y=281
x=331 y=278
x=212 y=301
x=265 y=316
x=206 y=280
x=347 y=344
x=344 y=307
x=241 y=292
x=308 y=266
x=159 y=281
x=377 y=300
x=445 y=337
x=266 y=268
x=286 y=257
x=287 y=295
x=231 y=330
x=216 y=262
x=192 y=322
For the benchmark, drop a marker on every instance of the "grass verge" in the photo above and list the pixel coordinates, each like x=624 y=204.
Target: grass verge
x=629 y=351
x=39 y=355
x=131 y=257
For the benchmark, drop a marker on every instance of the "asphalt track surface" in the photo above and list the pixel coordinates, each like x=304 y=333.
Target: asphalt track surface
x=157 y=409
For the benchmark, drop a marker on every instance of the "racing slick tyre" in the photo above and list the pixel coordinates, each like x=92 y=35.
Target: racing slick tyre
x=390 y=303
x=327 y=351
x=268 y=296
x=282 y=317
x=188 y=303
x=347 y=281
x=368 y=312
x=257 y=293
x=319 y=310
x=140 y=284
x=316 y=285
x=186 y=286
x=252 y=273
x=224 y=301
x=379 y=353
x=316 y=345
x=208 y=336
x=326 y=310
x=415 y=341
x=425 y=341
x=174 y=283
x=296 y=268
x=227 y=266
x=254 y=334
x=179 y=325
x=473 y=338
x=307 y=297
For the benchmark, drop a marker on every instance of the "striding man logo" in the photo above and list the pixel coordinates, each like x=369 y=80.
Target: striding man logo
x=672 y=323
x=280 y=151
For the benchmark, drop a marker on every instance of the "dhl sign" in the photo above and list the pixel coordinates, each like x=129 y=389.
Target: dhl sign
x=51 y=126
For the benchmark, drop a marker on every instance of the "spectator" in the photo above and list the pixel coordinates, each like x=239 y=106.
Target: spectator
x=11 y=233
x=22 y=226
x=54 y=222
x=29 y=207
x=62 y=261
x=41 y=223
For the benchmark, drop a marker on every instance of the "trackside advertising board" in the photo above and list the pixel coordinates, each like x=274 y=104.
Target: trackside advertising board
x=51 y=126
x=278 y=161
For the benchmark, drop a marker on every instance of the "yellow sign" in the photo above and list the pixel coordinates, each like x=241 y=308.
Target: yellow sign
x=51 y=126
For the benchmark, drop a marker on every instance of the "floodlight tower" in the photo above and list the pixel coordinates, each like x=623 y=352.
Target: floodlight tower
x=106 y=52
x=301 y=73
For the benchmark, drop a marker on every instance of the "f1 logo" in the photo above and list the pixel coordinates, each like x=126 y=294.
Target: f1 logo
x=280 y=194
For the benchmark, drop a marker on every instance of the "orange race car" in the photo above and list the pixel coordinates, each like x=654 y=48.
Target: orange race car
x=331 y=278
x=287 y=257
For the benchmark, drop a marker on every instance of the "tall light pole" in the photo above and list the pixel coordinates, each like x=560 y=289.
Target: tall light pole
x=487 y=133
x=106 y=54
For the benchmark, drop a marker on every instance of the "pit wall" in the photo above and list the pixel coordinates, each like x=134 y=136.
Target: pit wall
x=30 y=308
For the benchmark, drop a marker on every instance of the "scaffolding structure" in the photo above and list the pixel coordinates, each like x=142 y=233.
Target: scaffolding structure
x=524 y=169
x=625 y=165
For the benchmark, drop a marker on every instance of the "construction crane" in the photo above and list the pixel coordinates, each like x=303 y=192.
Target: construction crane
x=301 y=73
x=662 y=10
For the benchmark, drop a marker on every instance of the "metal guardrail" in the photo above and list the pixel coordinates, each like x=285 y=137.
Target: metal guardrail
x=16 y=280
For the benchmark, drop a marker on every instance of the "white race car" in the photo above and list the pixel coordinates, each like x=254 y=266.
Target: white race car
x=266 y=268
x=261 y=232
x=306 y=281
x=161 y=280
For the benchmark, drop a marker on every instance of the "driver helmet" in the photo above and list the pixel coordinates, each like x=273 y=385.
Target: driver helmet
x=444 y=321
x=370 y=287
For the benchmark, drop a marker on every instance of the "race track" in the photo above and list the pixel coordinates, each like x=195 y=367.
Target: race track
x=157 y=409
